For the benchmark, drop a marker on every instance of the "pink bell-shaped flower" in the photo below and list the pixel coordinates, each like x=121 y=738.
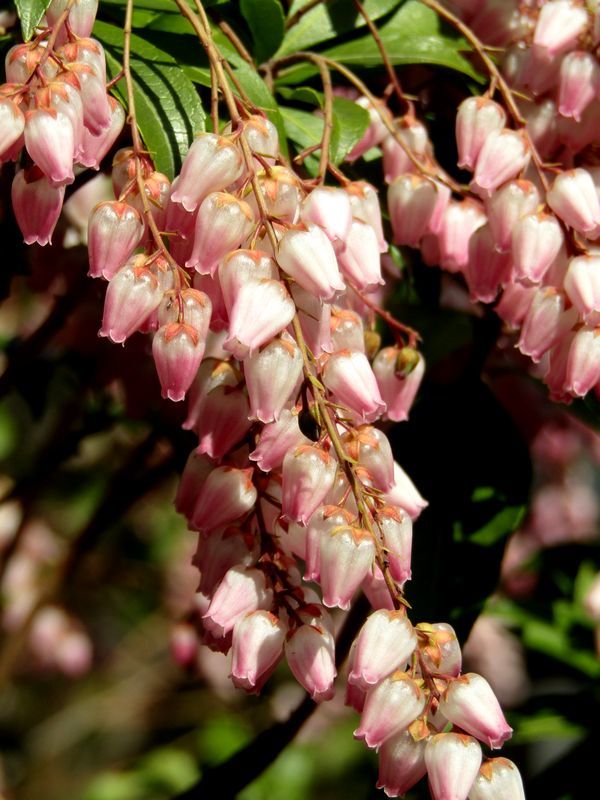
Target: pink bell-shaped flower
x=349 y=377
x=240 y=267
x=212 y=373
x=227 y=494
x=506 y=207
x=272 y=376
x=401 y=764
x=405 y=494
x=555 y=376
x=359 y=257
x=219 y=551
x=37 y=204
x=240 y=592
x=452 y=761
x=582 y=284
x=326 y=519
x=223 y=420
x=574 y=198
x=310 y=652
x=487 y=269
x=371 y=448
x=222 y=224
x=50 y=142
x=281 y=193
x=541 y=326
x=308 y=257
x=537 y=239
x=583 y=364
x=81 y=15
x=416 y=205
x=133 y=293
x=178 y=349
x=257 y=646
x=498 y=778
x=458 y=224
x=397 y=530
x=315 y=320
x=276 y=439
x=366 y=208
x=514 y=304
x=330 y=209
x=95 y=147
x=347 y=330
x=12 y=124
x=399 y=372
x=212 y=163
x=384 y=644
x=558 y=26
x=503 y=155
x=261 y=310
x=114 y=231
x=346 y=556
x=470 y=703
x=389 y=708
x=415 y=138
x=476 y=119
x=579 y=83
x=308 y=474
x=196 y=471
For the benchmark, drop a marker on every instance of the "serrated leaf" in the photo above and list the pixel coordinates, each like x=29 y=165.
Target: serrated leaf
x=414 y=35
x=30 y=13
x=265 y=19
x=328 y=21
x=168 y=108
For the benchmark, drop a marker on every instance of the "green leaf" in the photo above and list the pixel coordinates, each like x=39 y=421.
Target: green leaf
x=350 y=121
x=414 y=35
x=168 y=108
x=306 y=129
x=30 y=13
x=266 y=23
x=174 y=35
x=545 y=725
x=328 y=21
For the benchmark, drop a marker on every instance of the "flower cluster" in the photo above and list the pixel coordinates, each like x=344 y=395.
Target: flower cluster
x=259 y=289
x=523 y=233
x=55 y=115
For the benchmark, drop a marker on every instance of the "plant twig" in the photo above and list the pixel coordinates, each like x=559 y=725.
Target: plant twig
x=291 y=21
x=384 y=56
x=138 y=148
x=413 y=335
